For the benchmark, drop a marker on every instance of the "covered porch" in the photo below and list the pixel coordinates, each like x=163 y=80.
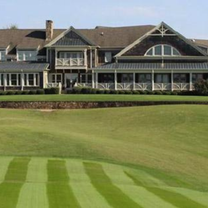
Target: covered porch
x=149 y=76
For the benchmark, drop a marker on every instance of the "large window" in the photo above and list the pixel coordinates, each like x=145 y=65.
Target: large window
x=143 y=78
x=197 y=77
x=125 y=78
x=162 y=78
x=162 y=50
x=181 y=78
x=27 y=55
x=56 y=78
x=106 y=78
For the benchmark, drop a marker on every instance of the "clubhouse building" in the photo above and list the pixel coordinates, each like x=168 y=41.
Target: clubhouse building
x=121 y=58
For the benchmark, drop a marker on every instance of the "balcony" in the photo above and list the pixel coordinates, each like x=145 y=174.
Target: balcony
x=70 y=62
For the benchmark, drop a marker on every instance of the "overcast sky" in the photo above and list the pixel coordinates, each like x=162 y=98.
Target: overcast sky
x=189 y=17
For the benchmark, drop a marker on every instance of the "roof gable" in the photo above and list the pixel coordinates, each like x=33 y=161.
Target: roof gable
x=162 y=30
x=70 y=37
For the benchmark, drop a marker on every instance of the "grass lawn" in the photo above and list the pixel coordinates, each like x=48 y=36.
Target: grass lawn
x=102 y=98
x=128 y=157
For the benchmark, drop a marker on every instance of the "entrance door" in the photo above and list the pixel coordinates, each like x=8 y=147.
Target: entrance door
x=71 y=80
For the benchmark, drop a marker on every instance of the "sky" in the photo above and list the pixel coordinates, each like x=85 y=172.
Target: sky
x=188 y=17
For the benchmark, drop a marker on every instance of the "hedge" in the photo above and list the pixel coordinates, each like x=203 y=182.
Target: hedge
x=85 y=90
x=31 y=92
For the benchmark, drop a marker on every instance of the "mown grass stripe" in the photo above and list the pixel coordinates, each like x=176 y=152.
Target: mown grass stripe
x=34 y=193
x=200 y=197
x=83 y=189
x=58 y=190
x=174 y=198
x=139 y=194
x=37 y=170
x=17 y=170
x=4 y=164
x=103 y=184
x=14 y=180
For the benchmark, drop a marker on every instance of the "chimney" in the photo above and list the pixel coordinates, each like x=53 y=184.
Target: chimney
x=49 y=30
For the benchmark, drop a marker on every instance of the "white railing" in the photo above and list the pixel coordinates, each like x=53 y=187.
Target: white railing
x=84 y=85
x=143 y=86
x=70 y=62
x=162 y=86
x=106 y=86
x=181 y=86
x=125 y=86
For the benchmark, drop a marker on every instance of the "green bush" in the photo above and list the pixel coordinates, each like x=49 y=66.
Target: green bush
x=51 y=91
x=158 y=92
x=10 y=93
x=136 y=92
x=18 y=93
x=26 y=92
x=32 y=92
x=201 y=87
x=40 y=92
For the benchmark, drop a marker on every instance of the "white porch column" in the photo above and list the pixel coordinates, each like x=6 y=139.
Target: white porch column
x=172 y=81
x=153 y=82
x=96 y=80
x=190 y=82
x=56 y=56
x=5 y=81
x=85 y=57
x=22 y=81
x=91 y=58
x=93 y=79
x=95 y=57
x=115 y=79
x=134 y=78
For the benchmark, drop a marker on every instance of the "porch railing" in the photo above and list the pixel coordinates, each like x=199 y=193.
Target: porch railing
x=70 y=62
x=181 y=86
x=162 y=86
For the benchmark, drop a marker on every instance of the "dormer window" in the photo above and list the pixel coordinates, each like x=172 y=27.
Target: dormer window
x=27 y=55
x=2 y=55
x=162 y=50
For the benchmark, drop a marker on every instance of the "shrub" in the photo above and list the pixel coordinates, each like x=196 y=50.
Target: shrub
x=3 y=93
x=201 y=87
x=32 y=92
x=40 y=92
x=51 y=91
x=107 y=91
x=100 y=91
x=136 y=92
x=127 y=92
x=18 y=93
x=121 y=92
x=166 y=93
x=158 y=93
x=10 y=93
x=25 y=92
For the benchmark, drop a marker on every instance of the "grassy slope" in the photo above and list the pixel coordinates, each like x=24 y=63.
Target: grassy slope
x=170 y=142
x=102 y=98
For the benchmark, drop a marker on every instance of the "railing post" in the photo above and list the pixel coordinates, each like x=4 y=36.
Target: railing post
x=190 y=82
x=153 y=82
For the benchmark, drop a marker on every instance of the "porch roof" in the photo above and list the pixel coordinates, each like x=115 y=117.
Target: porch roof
x=155 y=66
x=23 y=66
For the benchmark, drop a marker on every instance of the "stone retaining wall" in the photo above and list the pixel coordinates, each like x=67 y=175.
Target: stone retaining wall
x=88 y=105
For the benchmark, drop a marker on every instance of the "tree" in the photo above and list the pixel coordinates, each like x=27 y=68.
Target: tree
x=12 y=27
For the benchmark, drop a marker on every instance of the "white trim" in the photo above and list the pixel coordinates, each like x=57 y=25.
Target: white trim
x=162 y=51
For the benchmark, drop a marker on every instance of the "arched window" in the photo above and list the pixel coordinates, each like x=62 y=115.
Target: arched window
x=162 y=50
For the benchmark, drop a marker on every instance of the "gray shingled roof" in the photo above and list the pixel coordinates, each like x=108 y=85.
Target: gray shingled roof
x=151 y=66
x=27 y=66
